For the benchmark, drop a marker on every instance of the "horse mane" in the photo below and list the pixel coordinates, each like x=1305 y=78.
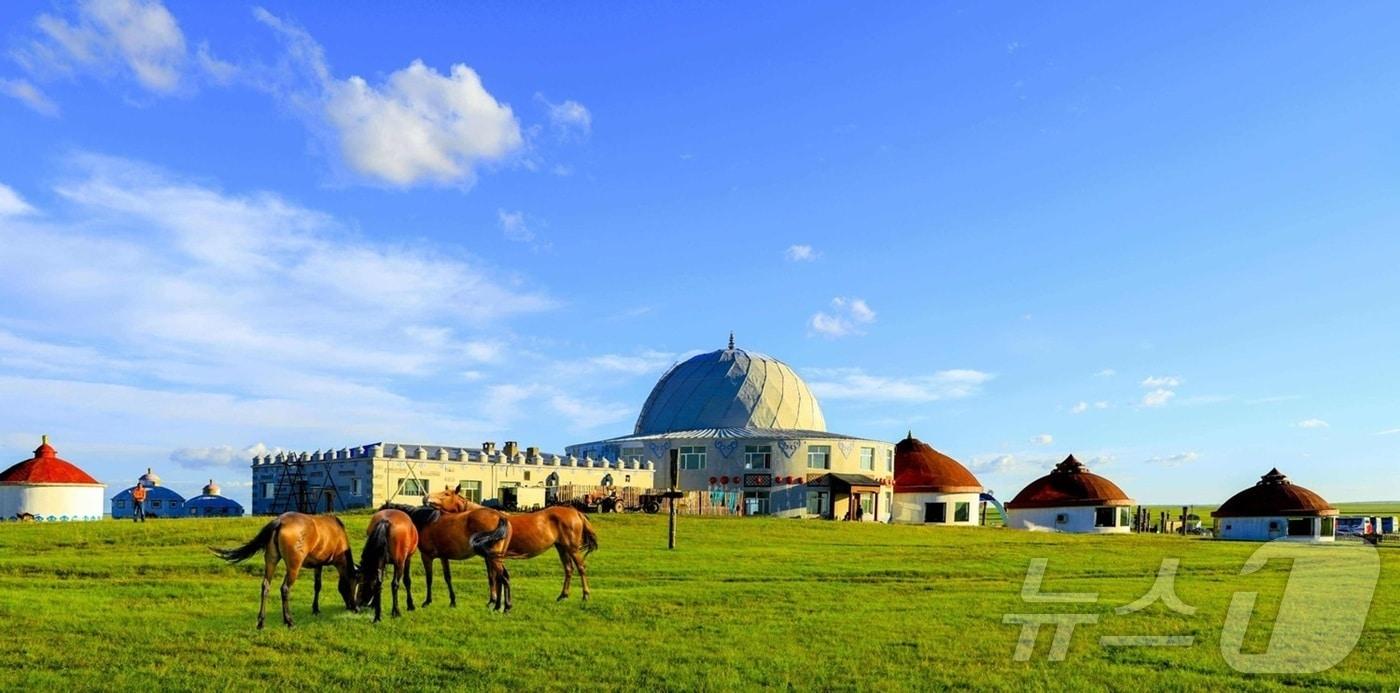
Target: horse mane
x=375 y=548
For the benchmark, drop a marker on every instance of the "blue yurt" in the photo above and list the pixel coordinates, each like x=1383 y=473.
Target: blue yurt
x=210 y=503
x=160 y=501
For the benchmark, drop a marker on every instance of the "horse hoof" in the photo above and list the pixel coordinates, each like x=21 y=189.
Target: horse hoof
x=260 y=625
x=410 y=607
x=562 y=597
x=453 y=605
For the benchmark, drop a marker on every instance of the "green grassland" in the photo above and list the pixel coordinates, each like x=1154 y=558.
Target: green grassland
x=742 y=604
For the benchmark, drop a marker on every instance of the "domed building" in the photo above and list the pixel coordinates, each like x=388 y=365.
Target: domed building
x=47 y=488
x=160 y=500
x=747 y=429
x=933 y=488
x=1276 y=508
x=210 y=503
x=1071 y=499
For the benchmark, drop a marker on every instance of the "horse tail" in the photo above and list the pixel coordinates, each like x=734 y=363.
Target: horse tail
x=376 y=547
x=590 y=537
x=257 y=544
x=482 y=541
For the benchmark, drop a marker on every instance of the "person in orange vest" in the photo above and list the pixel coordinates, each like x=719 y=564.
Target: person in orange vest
x=138 y=500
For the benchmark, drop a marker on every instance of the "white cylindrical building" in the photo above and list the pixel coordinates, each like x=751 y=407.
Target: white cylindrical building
x=1071 y=499
x=933 y=488
x=46 y=488
x=1276 y=508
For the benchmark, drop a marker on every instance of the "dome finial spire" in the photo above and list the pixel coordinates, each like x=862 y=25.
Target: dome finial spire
x=44 y=439
x=731 y=340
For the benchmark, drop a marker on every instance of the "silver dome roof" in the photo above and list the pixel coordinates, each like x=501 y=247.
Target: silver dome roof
x=730 y=388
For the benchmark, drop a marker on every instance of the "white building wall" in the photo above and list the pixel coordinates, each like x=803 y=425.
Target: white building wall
x=53 y=501
x=1257 y=529
x=909 y=507
x=785 y=499
x=1077 y=520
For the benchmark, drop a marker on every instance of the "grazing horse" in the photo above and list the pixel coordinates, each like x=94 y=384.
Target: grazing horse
x=390 y=540
x=562 y=527
x=303 y=541
x=455 y=536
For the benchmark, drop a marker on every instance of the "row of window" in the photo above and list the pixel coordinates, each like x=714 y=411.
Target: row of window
x=761 y=457
x=121 y=504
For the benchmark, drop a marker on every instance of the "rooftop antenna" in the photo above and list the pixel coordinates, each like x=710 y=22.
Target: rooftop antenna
x=731 y=340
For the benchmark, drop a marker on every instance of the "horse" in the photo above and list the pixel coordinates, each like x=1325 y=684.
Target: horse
x=562 y=527
x=303 y=541
x=455 y=536
x=390 y=539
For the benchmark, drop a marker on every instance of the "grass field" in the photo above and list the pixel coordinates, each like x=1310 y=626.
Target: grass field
x=744 y=603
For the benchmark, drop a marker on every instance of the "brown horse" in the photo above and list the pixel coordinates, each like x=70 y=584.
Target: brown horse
x=564 y=528
x=390 y=540
x=303 y=541
x=455 y=536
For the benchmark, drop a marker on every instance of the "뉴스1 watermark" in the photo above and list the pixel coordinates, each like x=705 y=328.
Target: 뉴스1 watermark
x=1320 y=618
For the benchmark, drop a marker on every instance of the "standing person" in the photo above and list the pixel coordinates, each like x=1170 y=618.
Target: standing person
x=138 y=501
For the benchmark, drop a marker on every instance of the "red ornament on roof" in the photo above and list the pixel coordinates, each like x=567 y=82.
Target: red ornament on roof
x=46 y=468
x=918 y=468
x=1069 y=484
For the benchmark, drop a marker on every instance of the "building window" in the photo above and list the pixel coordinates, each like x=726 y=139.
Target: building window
x=1300 y=527
x=889 y=460
x=758 y=456
x=607 y=480
x=471 y=490
x=1061 y=519
x=867 y=506
x=755 y=502
x=816 y=502
x=1329 y=526
x=354 y=487
x=962 y=512
x=936 y=512
x=1104 y=517
x=119 y=504
x=867 y=459
x=412 y=487
x=269 y=489
x=527 y=476
x=819 y=456
x=693 y=457
x=155 y=504
x=1125 y=518
x=632 y=455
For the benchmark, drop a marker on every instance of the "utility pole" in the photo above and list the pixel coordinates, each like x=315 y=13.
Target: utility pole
x=671 y=497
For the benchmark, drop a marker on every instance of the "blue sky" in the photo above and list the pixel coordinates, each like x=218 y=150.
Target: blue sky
x=1162 y=238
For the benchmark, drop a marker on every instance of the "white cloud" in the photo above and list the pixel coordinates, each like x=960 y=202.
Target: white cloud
x=11 y=204
x=1312 y=423
x=1388 y=432
x=570 y=119
x=106 y=37
x=185 y=313
x=1163 y=389
x=514 y=227
x=854 y=384
x=419 y=125
x=29 y=95
x=1164 y=381
x=1157 y=398
x=1106 y=373
x=800 y=253
x=1174 y=460
x=845 y=319
x=1081 y=407
x=1043 y=439
x=220 y=455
